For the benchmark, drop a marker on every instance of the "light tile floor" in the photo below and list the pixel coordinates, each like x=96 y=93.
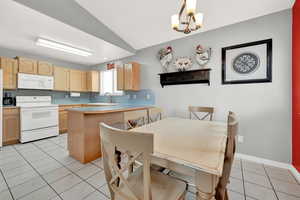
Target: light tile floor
x=42 y=170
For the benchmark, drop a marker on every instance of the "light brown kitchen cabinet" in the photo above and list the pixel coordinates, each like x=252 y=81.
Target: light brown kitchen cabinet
x=63 y=122
x=93 y=81
x=63 y=117
x=11 y=125
x=45 y=68
x=84 y=81
x=10 y=71
x=120 y=77
x=61 y=78
x=132 y=76
x=27 y=66
x=75 y=80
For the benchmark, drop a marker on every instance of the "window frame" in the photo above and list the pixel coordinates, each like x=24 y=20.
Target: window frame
x=114 y=80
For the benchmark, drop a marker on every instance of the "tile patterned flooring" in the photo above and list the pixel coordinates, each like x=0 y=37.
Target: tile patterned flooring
x=43 y=170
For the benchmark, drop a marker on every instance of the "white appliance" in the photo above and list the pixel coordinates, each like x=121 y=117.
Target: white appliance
x=39 y=118
x=1 y=93
x=30 y=81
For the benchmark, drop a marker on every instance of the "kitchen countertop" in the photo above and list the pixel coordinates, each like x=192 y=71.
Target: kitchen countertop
x=73 y=104
x=109 y=109
x=89 y=104
x=102 y=104
x=10 y=106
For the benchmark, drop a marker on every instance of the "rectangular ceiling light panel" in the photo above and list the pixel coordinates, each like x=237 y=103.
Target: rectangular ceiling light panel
x=62 y=47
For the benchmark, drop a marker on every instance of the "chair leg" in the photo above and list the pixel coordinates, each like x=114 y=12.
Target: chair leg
x=226 y=195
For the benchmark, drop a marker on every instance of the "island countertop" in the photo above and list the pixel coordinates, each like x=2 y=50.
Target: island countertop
x=109 y=109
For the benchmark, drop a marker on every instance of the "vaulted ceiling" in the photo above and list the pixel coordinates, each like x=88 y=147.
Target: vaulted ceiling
x=112 y=29
x=144 y=23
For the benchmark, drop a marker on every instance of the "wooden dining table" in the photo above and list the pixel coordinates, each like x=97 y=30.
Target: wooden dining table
x=190 y=147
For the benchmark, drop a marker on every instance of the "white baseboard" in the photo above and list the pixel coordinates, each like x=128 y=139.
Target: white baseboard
x=271 y=163
x=295 y=173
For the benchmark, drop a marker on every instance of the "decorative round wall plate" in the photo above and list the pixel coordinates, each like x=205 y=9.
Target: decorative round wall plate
x=245 y=63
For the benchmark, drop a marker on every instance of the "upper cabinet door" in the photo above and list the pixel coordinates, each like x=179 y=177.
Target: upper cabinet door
x=45 y=68
x=132 y=76
x=120 y=77
x=75 y=80
x=61 y=78
x=10 y=71
x=93 y=81
x=84 y=81
x=27 y=66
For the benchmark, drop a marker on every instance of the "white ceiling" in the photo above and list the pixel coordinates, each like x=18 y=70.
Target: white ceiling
x=141 y=23
x=20 y=26
x=144 y=23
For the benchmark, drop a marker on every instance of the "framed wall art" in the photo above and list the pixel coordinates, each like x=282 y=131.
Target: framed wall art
x=247 y=63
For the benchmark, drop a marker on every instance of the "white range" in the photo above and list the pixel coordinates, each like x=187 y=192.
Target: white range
x=39 y=117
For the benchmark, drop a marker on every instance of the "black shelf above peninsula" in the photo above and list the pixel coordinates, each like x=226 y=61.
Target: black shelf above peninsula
x=199 y=76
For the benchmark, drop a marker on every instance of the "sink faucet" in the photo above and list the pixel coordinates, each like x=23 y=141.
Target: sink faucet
x=110 y=97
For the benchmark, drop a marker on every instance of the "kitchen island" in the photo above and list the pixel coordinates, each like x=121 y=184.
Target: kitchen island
x=84 y=132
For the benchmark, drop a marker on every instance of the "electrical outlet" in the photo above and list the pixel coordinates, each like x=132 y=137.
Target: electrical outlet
x=148 y=96
x=240 y=139
x=134 y=96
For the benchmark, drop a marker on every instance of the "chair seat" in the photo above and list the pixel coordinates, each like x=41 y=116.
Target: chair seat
x=163 y=187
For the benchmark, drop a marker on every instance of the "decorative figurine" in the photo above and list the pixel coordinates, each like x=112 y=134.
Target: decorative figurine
x=165 y=57
x=183 y=63
x=203 y=55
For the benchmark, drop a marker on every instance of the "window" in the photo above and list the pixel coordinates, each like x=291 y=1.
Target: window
x=108 y=83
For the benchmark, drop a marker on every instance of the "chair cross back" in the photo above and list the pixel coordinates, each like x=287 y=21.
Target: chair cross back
x=140 y=145
x=154 y=114
x=132 y=118
x=195 y=109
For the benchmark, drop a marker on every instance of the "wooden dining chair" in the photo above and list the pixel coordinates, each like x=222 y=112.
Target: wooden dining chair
x=132 y=119
x=221 y=190
x=143 y=183
x=208 y=112
x=136 y=118
x=154 y=114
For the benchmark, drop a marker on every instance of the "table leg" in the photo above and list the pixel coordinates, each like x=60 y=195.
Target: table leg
x=205 y=185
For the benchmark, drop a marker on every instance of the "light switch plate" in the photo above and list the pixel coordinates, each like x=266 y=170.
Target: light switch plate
x=240 y=139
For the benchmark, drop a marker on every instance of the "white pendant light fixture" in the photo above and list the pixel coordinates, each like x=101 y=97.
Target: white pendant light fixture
x=62 y=47
x=187 y=20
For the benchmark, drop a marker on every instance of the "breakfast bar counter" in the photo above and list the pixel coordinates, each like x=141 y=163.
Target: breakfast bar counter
x=84 y=132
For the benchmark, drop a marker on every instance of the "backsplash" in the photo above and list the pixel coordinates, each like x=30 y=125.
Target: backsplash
x=57 y=97
x=143 y=97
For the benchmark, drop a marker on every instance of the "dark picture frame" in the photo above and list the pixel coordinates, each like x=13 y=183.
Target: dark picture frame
x=269 y=44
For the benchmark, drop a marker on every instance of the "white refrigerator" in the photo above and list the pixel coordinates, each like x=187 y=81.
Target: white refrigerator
x=1 y=93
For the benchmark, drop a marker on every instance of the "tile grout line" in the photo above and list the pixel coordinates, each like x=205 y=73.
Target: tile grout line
x=8 y=188
x=243 y=179
x=39 y=175
x=270 y=182
x=84 y=180
x=292 y=195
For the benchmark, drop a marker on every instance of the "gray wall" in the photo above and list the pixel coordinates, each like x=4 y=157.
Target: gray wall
x=264 y=109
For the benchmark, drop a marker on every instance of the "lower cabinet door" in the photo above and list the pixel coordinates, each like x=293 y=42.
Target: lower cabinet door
x=63 y=121
x=11 y=127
